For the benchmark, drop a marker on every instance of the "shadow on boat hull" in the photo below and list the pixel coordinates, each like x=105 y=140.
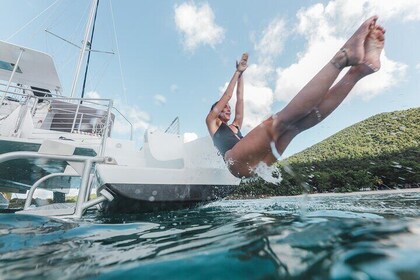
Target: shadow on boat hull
x=133 y=199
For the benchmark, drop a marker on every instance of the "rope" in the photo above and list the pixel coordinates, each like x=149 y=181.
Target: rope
x=23 y=27
x=118 y=53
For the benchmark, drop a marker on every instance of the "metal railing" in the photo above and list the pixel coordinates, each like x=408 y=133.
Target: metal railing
x=82 y=202
x=174 y=127
x=86 y=116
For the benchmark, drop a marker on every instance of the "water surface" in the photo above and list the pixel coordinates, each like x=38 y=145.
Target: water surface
x=359 y=236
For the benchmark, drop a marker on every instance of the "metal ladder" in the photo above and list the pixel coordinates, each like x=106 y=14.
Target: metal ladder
x=82 y=203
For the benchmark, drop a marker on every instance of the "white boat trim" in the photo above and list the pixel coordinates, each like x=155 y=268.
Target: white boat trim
x=34 y=68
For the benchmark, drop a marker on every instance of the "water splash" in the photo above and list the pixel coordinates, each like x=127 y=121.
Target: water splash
x=268 y=173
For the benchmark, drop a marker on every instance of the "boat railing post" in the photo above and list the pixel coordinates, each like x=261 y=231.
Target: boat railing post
x=84 y=185
x=75 y=117
x=21 y=117
x=105 y=131
x=80 y=122
x=33 y=109
x=89 y=188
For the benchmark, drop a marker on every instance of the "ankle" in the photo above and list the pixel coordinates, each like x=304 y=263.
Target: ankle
x=356 y=73
x=340 y=59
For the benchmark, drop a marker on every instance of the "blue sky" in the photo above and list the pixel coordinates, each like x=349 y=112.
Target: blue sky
x=176 y=57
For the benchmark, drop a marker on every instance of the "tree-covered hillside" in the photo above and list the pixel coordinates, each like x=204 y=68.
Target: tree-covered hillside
x=375 y=136
x=380 y=152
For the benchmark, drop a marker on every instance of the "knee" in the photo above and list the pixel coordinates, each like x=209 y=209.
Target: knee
x=314 y=118
x=280 y=126
x=318 y=115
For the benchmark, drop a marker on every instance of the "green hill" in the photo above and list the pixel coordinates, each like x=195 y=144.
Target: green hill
x=375 y=136
x=382 y=151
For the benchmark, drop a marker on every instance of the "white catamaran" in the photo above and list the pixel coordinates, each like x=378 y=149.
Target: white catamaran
x=54 y=142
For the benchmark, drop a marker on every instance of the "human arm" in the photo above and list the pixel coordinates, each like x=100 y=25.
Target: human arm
x=239 y=108
x=211 y=119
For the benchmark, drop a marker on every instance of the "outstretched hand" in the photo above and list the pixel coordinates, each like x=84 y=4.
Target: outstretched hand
x=242 y=65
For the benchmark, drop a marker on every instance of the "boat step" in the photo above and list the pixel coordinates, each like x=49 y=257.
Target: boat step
x=56 y=209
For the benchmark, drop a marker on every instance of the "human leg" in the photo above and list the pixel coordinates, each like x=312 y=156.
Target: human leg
x=374 y=45
x=352 y=53
x=252 y=149
x=256 y=146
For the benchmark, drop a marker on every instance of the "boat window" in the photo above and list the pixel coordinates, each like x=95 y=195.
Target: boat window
x=9 y=66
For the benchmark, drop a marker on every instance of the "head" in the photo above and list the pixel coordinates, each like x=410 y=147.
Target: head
x=224 y=115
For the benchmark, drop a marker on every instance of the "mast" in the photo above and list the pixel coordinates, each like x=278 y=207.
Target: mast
x=92 y=16
x=90 y=48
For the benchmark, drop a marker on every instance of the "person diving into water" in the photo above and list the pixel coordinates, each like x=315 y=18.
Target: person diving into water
x=313 y=103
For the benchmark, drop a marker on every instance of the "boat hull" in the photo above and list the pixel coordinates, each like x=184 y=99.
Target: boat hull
x=138 y=198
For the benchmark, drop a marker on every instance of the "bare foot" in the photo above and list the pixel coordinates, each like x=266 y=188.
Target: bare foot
x=373 y=45
x=353 y=51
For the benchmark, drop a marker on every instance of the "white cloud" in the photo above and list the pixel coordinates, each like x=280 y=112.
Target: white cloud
x=390 y=74
x=93 y=94
x=352 y=11
x=140 y=121
x=326 y=28
x=291 y=79
x=190 y=136
x=267 y=49
x=272 y=41
x=160 y=99
x=313 y=23
x=257 y=103
x=259 y=74
x=258 y=96
x=418 y=66
x=197 y=25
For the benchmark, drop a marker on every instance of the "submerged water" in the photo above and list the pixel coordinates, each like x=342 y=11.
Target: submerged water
x=369 y=236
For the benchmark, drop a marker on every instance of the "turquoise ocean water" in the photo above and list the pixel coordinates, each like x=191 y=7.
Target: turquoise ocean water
x=360 y=236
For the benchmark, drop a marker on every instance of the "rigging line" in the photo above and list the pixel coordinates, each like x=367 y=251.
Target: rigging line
x=23 y=27
x=77 y=32
x=98 y=77
x=36 y=33
x=65 y=40
x=118 y=53
x=58 y=17
x=63 y=56
x=73 y=44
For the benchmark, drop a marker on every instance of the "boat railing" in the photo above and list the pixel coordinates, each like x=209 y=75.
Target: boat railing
x=129 y=123
x=82 y=202
x=174 y=127
x=88 y=116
